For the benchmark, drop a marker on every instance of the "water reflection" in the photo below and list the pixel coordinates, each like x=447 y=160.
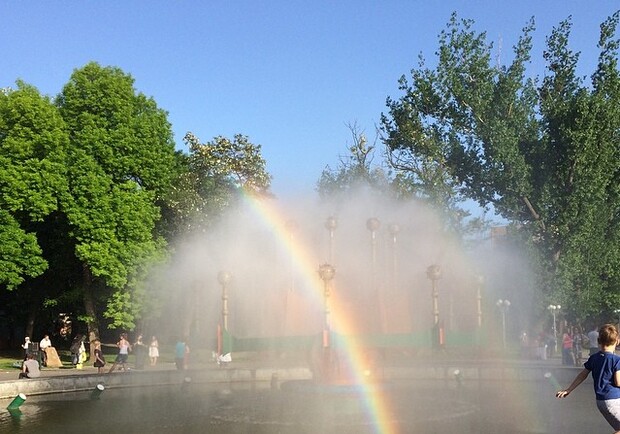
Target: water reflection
x=415 y=407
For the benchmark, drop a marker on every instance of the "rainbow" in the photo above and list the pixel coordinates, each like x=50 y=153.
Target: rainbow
x=342 y=324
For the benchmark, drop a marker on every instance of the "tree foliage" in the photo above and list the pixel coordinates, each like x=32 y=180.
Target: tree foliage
x=214 y=174
x=356 y=169
x=121 y=161
x=543 y=153
x=33 y=142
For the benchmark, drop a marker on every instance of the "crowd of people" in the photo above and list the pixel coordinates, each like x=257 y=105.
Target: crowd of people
x=572 y=346
x=37 y=355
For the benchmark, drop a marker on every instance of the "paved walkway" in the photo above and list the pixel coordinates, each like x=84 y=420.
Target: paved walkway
x=13 y=374
x=250 y=362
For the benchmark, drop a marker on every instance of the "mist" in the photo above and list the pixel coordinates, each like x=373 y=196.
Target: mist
x=272 y=250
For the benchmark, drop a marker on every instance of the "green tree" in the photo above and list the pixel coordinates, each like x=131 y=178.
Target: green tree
x=121 y=162
x=33 y=144
x=401 y=179
x=543 y=154
x=214 y=175
x=356 y=169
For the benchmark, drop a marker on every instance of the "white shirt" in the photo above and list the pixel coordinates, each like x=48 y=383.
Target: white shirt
x=45 y=343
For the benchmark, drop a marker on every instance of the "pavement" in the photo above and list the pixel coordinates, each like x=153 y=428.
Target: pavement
x=13 y=374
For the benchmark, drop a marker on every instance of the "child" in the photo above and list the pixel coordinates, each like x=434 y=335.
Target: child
x=604 y=366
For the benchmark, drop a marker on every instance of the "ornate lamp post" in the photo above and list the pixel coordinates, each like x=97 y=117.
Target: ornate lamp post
x=434 y=274
x=224 y=278
x=554 y=309
x=373 y=224
x=331 y=224
x=394 y=229
x=375 y=303
x=480 y=279
x=617 y=312
x=327 y=273
x=503 y=306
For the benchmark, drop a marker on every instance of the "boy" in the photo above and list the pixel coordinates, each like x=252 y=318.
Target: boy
x=604 y=366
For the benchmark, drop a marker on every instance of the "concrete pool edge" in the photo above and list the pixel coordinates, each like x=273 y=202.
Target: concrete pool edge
x=444 y=372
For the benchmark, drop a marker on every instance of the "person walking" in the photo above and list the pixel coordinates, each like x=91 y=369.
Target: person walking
x=154 y=351
x=604 y=366
x=124 y=347
x=98 y=354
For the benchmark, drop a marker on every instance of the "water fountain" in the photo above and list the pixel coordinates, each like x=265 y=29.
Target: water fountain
x=386 y=354
x=310 y=286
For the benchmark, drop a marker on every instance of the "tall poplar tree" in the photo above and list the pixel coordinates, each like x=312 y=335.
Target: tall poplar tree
x=544 y=153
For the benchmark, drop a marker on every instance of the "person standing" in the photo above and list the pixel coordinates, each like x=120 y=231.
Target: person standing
x=577 y=345
x=43 y=346
x=81 y=354
x=154 y=351
x=123 y=353
x=567 y=349
x=181 y=354
x=75 y=349
x=593 y=341
x=139 y=349
x=604 y=366
x=26 y=347
x=30 y=368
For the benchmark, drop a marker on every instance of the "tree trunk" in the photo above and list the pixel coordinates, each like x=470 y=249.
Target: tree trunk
x=89 y=307
x=32 y=314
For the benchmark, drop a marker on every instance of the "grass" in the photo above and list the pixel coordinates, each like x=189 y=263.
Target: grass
x=9 y=357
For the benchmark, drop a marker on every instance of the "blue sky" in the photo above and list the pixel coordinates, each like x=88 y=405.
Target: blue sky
x=289 y=74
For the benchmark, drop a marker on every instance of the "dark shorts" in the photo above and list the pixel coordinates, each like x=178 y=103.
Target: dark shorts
x=122 y=358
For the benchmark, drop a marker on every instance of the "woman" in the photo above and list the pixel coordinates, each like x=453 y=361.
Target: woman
x=154 y=351
x=99 y=359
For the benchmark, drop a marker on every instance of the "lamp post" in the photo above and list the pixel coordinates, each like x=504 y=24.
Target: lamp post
x=554 y=309
x=394 y=229
x=331 y=224
x=375 y=303
x=480 y=279
x=434 y=274
x=224 y=278
x=503 y=306
x=327 y=273
x=617 y=312
x=373 y=224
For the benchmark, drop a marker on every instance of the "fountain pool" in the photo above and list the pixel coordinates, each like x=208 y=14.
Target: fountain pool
x=415 y=406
